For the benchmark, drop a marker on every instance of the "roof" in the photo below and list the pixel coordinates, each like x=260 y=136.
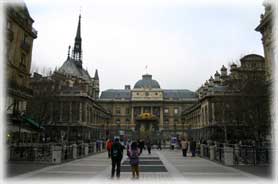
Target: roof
x=179 y=93
x=116 y=94
x=71 y=67
x=146 y=82
x=252 y=57
x=175 y=94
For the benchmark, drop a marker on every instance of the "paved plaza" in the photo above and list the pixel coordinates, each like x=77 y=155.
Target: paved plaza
x=164 y=165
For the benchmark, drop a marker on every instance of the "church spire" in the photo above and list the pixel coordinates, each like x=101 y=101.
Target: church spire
x=96 y=75
x=77 y=49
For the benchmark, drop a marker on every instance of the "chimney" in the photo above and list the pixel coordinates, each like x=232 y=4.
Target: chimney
x=127 y=87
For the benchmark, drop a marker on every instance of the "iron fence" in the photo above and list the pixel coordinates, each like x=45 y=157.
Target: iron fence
x=219 y=154
x=40 y=153
x=251 y=155
x=67 y=153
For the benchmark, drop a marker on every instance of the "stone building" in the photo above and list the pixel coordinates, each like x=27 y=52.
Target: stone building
x=65 y=102
x=232 y=106
x=146 y=110
x=267 y=29
x=18 y=54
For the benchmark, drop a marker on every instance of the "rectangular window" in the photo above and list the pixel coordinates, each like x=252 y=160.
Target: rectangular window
x=25 y=38
x=166 y=110
x=127 y=110
x=22 y=60
x=118 y=110
x=176 y=111
x=118 y=121
x=147 y=109
x=9 y=25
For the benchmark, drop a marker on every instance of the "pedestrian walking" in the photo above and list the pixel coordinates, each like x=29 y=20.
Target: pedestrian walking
x=109 y=144
x=193 y=147
x=134 y=159
x=141 y=145
x=159 y=145
x=128 y=147
x=116 y=157
x=184 y=146
x=149 y=146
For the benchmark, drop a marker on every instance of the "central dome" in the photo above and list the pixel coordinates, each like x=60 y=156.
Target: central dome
x=147 y=82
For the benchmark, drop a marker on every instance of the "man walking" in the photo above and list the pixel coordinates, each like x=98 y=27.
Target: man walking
x=184 y=146
x=116 y=156
x=149 y=146
x=193 y=147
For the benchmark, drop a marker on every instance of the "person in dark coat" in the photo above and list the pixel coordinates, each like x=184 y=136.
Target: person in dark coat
x=141 y=145
x=159 y=145
x=193 y=147
x=116 y=157
x=149 y=146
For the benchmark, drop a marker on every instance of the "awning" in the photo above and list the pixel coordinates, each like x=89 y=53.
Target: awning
x=32 y=123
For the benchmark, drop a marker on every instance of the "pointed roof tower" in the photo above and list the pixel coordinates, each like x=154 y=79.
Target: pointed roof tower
x=77 y=49
x=96 y=75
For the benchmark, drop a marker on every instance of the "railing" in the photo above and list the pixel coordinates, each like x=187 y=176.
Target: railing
x=233 y=154
x=39 y=153
x=251 y=155
x=67 y=153
x=219 y=154
x=206 y=151
x=52 y=152
x=80 y=150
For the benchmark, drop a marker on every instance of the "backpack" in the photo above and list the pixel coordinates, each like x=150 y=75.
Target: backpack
x=116 y=152
x=134 y=157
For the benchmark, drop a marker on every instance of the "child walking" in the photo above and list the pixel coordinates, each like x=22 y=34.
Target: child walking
x=134 y=159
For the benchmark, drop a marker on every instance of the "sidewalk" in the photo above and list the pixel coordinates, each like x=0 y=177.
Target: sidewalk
x=164 y=165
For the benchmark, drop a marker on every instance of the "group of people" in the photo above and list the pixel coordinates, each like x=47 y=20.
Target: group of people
x=115 y=152
x=134 y=150
x=184 y=147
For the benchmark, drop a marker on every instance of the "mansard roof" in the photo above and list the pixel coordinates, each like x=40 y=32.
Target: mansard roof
x=175 y=94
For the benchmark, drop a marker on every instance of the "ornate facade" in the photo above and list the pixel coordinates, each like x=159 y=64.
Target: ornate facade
x=19 y=43
x=230 y=106
x=65 y=102
x=267 y=29
x=147 y=110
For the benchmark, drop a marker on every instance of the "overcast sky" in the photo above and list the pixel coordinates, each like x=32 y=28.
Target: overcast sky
x=183 y=43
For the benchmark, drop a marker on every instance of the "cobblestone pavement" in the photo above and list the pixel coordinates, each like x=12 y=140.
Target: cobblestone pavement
x=164 y=166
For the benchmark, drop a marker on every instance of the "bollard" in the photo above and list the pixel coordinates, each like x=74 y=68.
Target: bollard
x=94 y=147
x=237 y=158
x=228 y=155
x=100 y=146
x=8 y=152
x=86 y=145
x=74 y=151
x=202 y=150
x=212 y=152
x=56 y=154
x=35 y=153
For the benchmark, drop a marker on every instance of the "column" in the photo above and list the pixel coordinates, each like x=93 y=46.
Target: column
x=142 y=110
x=80 y=112
x=61 y=111
x=70 y=112
x=161 y=117
x=85 y=110
x=151 y=110
x=132 y=115
x=51 y=111
x=213 y=112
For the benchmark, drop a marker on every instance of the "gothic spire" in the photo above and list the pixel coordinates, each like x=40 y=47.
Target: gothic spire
x=96 y=75
x=77 y=49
